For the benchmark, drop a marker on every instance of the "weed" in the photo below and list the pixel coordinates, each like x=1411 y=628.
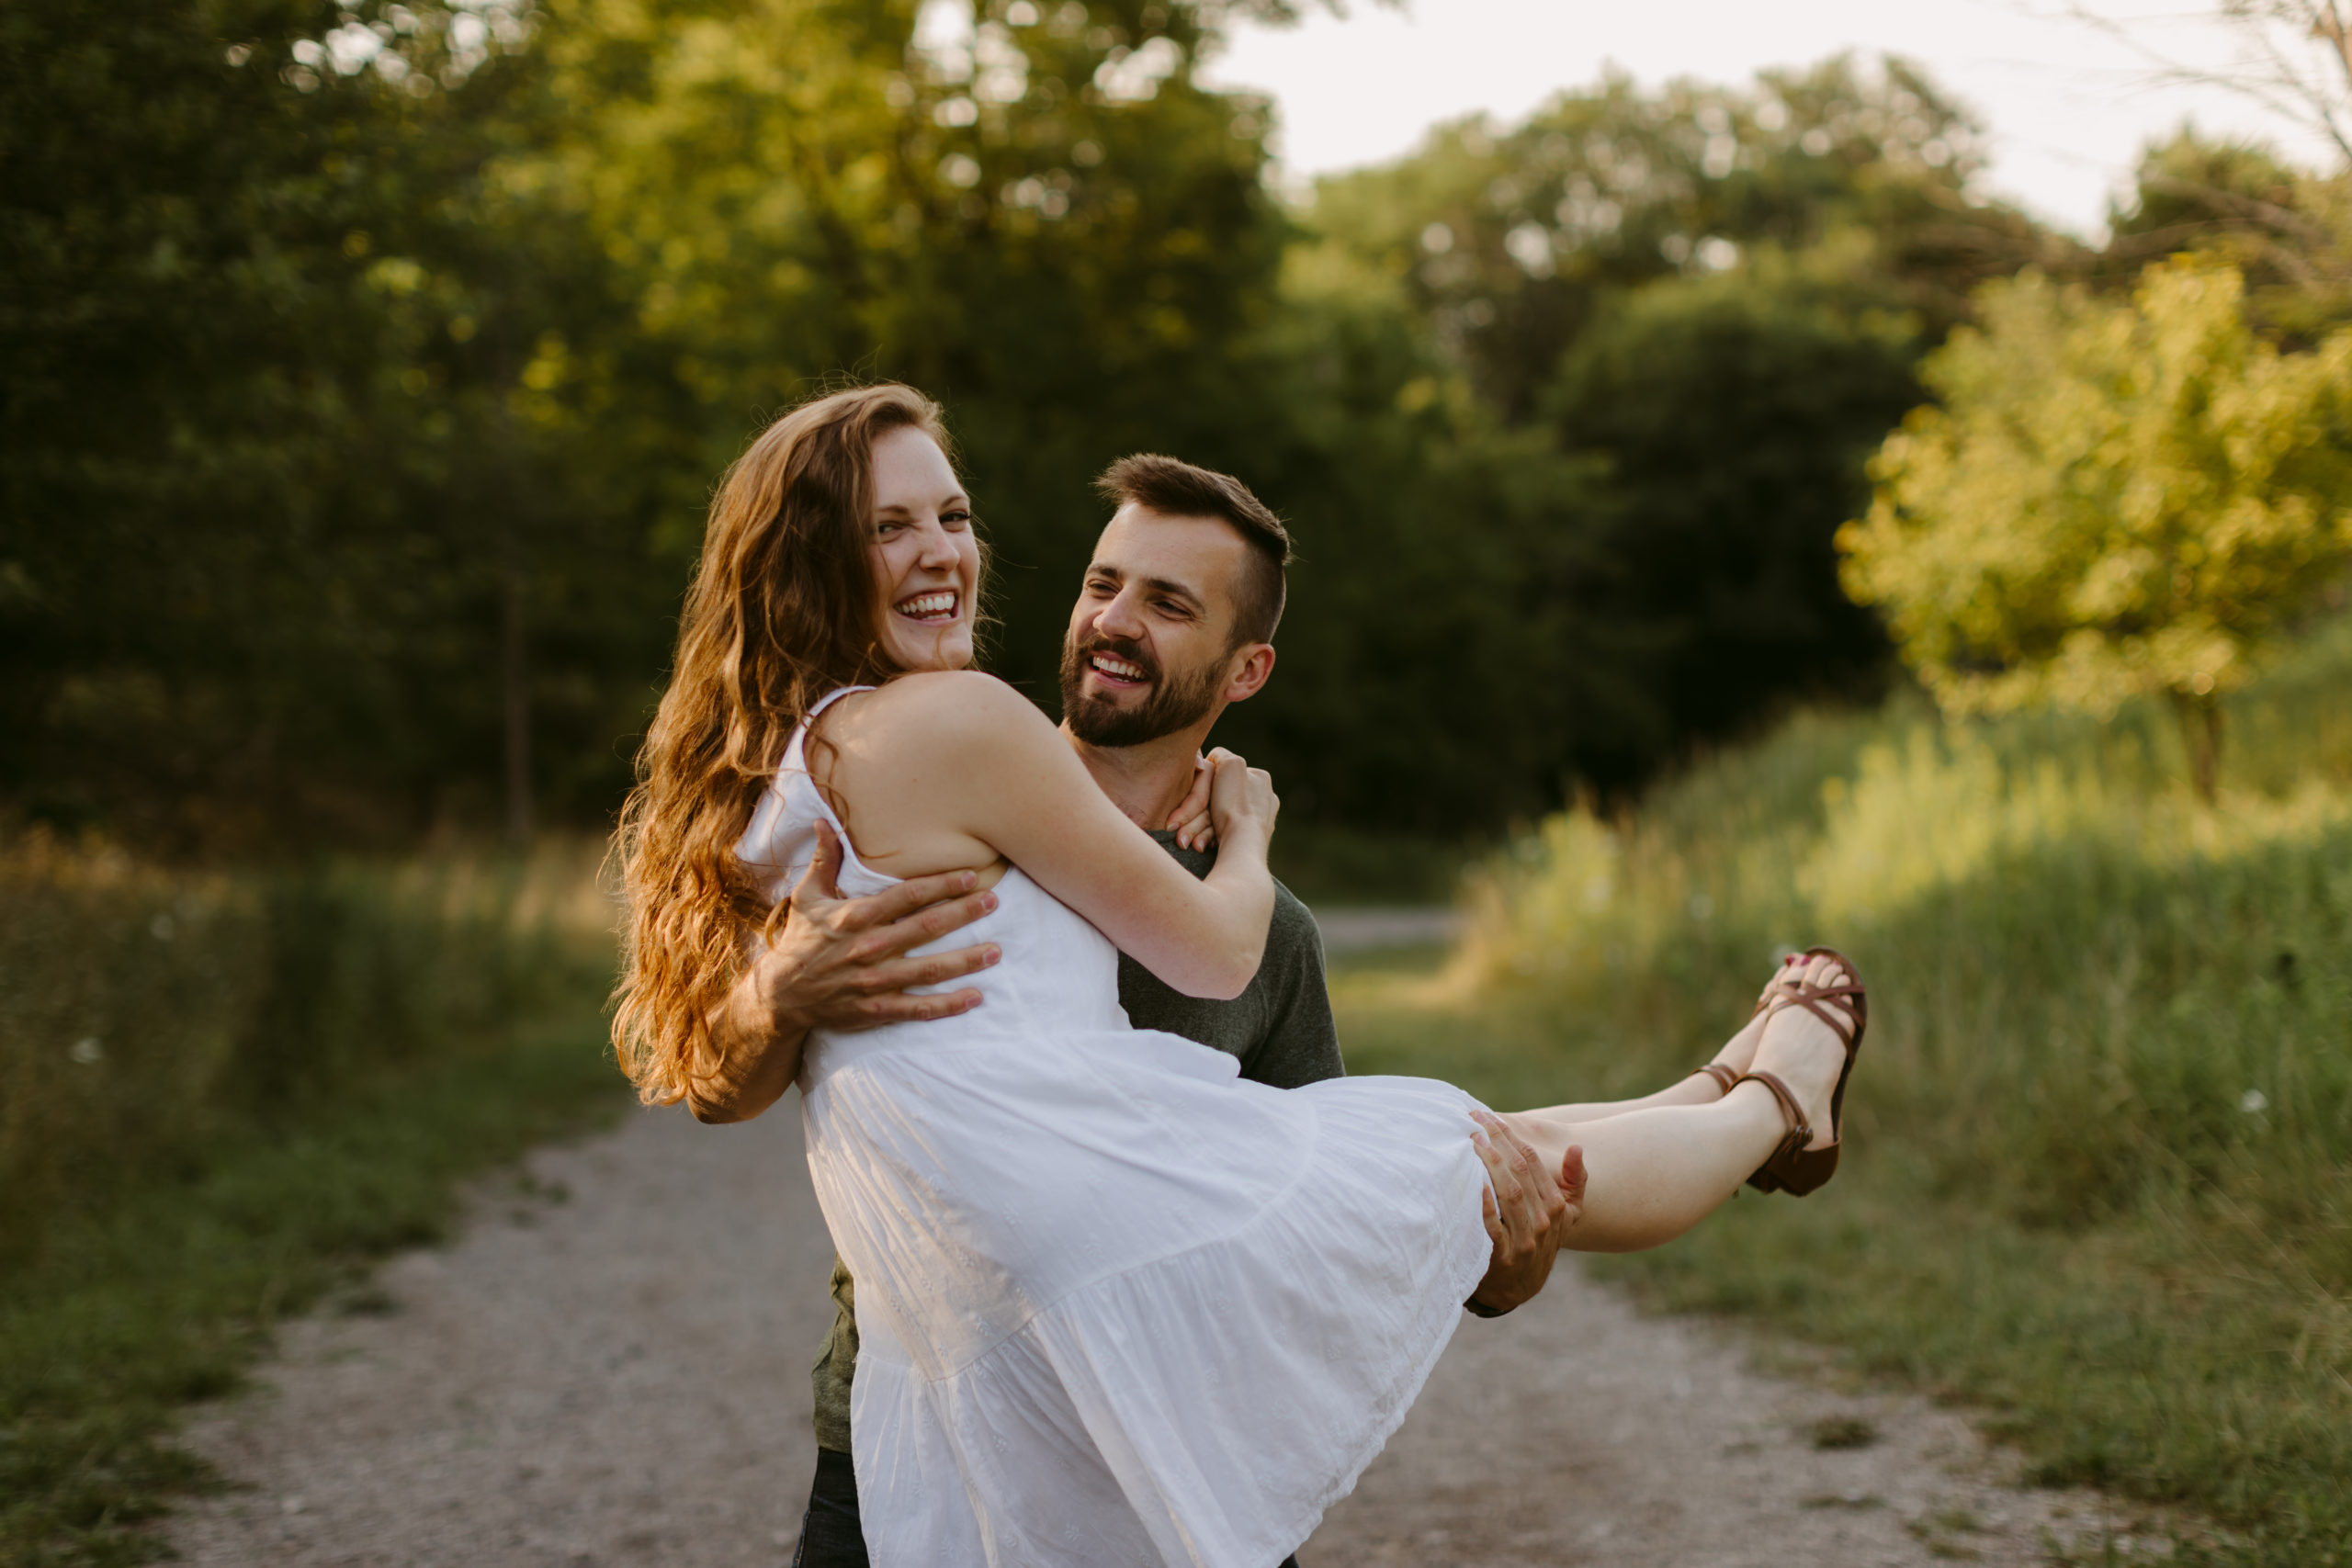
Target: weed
x=288 y=1086
x=2099 y=1177
x=1841 y=1432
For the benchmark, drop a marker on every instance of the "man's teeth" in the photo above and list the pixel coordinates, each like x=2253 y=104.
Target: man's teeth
x=1117 y=669
x=925 y=606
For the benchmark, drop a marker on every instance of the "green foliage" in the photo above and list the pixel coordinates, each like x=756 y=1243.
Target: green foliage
x=264 y=482
x=369 y=369
x=227 y=1094
x=155 y=1016
x=1731 y=416
x=2238 y=204
x=2111 y=499
x=2101 y=1132
x=1709 y=300
x=168 y=1295
x=1515 y=241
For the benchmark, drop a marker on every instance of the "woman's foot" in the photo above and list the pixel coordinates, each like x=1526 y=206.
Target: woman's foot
x=1805 y=1054
x=1739 y=1054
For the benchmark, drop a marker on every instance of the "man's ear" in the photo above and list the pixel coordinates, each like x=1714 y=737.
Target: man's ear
x=1250 y=668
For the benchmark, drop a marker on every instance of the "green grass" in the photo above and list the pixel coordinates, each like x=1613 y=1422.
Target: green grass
x=2100 y=1180
x=291 y=1083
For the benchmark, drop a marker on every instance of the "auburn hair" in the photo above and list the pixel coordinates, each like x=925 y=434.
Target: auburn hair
x=782 y=610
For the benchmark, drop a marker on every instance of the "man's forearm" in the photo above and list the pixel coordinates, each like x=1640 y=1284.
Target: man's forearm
x=758 y=1049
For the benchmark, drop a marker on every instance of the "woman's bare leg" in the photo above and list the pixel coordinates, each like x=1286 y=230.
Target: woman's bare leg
x=1696 y=1089
x=1655 y=1172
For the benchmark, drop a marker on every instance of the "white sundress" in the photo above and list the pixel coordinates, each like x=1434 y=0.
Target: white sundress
x=1116 y=1304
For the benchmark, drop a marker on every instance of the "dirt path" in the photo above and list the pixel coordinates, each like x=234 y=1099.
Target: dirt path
x=610 y=1368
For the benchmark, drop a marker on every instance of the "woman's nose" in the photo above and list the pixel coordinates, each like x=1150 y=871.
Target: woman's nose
x=938 y=549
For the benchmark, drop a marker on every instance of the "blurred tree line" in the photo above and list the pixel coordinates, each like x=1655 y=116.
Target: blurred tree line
x=367 y=369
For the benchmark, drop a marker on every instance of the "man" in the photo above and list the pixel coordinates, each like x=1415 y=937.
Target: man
x=1175 y=620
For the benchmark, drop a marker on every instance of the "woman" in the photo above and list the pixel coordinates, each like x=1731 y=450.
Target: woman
x=1118 y=1305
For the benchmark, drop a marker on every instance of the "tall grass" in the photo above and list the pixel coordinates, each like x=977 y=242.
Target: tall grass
x=222 y=1092
x=2099 y=1173
x=145 y=1014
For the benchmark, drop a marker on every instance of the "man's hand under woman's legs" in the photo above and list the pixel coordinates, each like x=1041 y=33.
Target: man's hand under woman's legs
x=1529 y=1211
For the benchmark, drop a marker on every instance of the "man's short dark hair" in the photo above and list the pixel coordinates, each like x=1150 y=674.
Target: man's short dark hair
x=1180 y=490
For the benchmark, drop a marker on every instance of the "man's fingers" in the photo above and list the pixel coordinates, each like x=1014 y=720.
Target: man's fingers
x=1497 y=1164
x=931 y=969
x=821 y=883
x=897 y=1007
x=1520 y=1219
x=1525 y=1167
x=1495 y=1231
x=902 y=936
x=894 y=904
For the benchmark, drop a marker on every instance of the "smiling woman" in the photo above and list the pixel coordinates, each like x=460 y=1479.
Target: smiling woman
x=925 y=555
x=806 y=584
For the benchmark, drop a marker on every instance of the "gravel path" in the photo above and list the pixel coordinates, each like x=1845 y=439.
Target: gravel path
x=610 y=1368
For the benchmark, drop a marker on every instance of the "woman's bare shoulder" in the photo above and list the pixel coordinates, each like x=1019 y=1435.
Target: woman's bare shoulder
x=920 y=768
x=942 y=709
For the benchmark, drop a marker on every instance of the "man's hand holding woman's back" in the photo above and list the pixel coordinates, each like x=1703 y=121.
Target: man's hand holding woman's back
x=838 y=964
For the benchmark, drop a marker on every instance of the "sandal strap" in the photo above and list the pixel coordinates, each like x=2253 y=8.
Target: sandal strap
x=1845 y=1022
x=1848 y=997
x=1800 y=1130
x=1725 y=1079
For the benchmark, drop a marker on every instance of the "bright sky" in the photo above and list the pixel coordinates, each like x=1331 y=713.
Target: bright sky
x=2068 y=109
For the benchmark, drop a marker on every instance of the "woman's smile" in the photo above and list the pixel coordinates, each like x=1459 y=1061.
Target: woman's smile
x=938 y=607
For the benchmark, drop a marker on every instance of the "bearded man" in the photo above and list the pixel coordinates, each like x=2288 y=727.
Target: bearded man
x=1175 y=621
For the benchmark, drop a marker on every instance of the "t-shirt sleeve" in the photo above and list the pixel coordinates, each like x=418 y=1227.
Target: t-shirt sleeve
x=1301 y=1045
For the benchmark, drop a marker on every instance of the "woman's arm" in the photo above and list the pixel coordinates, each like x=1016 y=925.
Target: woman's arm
x=954 y=769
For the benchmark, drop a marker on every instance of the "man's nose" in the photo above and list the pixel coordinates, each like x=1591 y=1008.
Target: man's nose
x=1121 y=619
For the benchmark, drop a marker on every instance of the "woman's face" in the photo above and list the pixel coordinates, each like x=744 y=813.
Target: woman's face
x=926 y=560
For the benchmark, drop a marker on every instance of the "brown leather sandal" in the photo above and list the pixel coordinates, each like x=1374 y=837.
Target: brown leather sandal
x=1725 y=1079
x=1793 y=1167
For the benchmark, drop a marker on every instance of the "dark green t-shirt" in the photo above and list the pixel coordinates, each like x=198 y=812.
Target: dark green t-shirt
x=1280 y=1028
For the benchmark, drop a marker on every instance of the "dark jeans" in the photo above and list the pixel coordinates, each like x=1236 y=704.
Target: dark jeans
x=830 y=1536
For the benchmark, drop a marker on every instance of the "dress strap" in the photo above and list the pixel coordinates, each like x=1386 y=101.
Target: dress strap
x=796 y=754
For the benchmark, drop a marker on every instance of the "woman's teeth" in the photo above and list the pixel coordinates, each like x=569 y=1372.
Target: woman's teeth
x=1116 y=669
x=940 y=606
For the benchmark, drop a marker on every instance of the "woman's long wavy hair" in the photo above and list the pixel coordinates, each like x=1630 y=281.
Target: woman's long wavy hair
x=782 y=609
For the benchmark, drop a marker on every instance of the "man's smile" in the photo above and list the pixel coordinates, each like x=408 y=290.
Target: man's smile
x=1114 y=671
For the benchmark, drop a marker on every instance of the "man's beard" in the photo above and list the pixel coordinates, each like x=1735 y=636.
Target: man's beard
x=1174 y=703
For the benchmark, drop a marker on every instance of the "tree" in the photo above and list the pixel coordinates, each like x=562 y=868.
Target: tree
x=1707 y=300
x=1731 y=417
x=2112 y=499
x=1513 y=240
